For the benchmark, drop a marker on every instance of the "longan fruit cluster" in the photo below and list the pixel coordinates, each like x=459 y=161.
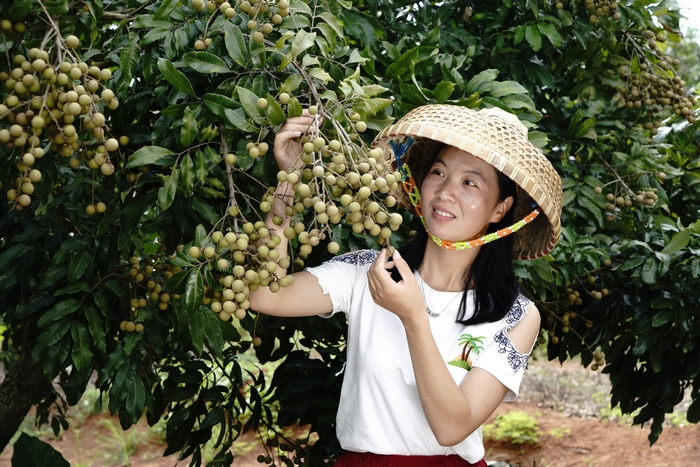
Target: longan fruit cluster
x=262 y=16
x=344 y=183
x=600 y=9
x=599 y=358
x=241 y=263
x=148 y=278
x=617 y=202
x=59 y=104
x=654 y=85
x=12 y=30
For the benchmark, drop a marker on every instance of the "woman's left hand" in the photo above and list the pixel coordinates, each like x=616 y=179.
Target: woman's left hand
x=402 y=298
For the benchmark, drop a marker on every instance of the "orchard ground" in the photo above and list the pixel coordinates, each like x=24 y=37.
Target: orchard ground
x=577 y=428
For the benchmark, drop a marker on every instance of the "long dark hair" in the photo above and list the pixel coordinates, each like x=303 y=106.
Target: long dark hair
x=491 y=275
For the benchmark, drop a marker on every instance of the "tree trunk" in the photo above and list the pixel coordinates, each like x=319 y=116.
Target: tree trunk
x=23 y=387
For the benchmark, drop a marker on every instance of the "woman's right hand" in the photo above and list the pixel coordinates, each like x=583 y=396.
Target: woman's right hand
x=287 y=148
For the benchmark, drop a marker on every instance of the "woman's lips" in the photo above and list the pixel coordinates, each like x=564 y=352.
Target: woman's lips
x=441 y=213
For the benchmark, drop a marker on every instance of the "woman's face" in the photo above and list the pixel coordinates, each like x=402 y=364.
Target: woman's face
x=460 y=196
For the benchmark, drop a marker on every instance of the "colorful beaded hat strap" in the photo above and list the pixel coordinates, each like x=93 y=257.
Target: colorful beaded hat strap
x=410 y=187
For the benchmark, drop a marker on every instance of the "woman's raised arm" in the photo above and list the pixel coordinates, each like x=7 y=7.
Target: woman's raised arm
x=305 y=296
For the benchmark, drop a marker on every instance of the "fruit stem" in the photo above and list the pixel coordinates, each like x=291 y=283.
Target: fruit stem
x=229 y=176
x=55 y=28
x=617 y=176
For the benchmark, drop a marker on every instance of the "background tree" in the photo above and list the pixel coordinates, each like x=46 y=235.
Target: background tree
x=137 y=168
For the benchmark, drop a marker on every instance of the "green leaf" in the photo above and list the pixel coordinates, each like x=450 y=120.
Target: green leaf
x=194 y=291
x=56 y=359
x=59 y=310
x=218 y=104
x=504 y=88
x=275 y=112
x=151 y=155
x=134 y=209
x=188 y=131
x=374 y=105
x=52 y=275
x=110 y=216
x=249 y=101
x=128 y=62
x=175 y=77
x=178 y=281
x=477 y=82
x=443 y=91
x=538 y=139
x=302 y=41
x=71 y=289
x=165 y=8
x=205 y=62
x=631 y=264
x=649 y=270
x=115 y=361
x=29 y=451
x=155 y=35
x=519 y=101
x=131 y=340
x=197 y=321
x=569 y=196
x=12 y=254
x=533 y=37
x=135 y=398
x=121 y=384
x=291 y=84
x=663 y=302
x=81 y=353
x=96 y=328
x=679 y=241
x=404 y=65
x=213 y=333
x=693 y=414
x=166 y=193
x=550 y=31
x=578 y=131
x=661 y=318
x=69 y=245
x=237 y=118
x=320 y=74
x=593 y=208
x=49 y=337
x=333 y=22
x=79 y=265
x=201 y=167
x=56 y=7
x=188 y=174
x=147 y=22
x=236 y=44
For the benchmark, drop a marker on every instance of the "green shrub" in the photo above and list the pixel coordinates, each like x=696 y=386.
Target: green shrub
x=514 y=426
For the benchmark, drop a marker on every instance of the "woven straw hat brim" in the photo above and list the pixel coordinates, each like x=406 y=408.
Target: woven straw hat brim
x=497 y=141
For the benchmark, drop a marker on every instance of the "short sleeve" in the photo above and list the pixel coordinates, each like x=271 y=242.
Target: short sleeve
x=340 y=276
x=500 y=357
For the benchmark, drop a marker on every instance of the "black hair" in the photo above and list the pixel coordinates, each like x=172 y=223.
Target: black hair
x=491 y=274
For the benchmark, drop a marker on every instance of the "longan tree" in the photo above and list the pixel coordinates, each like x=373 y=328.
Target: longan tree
x=137 y=171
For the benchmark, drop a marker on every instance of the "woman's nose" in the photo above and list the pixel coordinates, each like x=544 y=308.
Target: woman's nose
x=446 y=191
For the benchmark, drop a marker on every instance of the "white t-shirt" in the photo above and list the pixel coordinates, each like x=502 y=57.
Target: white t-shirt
x=380 y=410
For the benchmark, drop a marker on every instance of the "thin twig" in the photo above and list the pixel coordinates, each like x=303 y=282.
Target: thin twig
x=229 y=176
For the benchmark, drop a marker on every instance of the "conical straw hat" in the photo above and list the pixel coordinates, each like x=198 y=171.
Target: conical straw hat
x=498 y=138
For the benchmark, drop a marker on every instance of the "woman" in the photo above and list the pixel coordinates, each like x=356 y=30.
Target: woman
x=438 y=333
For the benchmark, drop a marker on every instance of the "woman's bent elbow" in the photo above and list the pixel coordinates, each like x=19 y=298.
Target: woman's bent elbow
x=451 y=439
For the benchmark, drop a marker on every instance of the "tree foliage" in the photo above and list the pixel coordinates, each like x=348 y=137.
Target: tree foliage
x=137 y=171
